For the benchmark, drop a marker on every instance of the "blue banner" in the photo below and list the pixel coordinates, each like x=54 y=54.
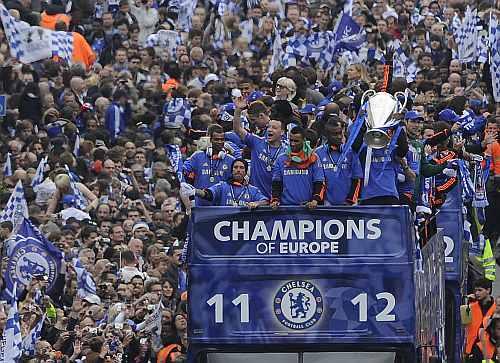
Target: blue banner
x=31 y=254
x=293 y=276
x=450 y=219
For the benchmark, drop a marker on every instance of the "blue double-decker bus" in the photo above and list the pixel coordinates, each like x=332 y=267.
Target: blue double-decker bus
x=330 y=285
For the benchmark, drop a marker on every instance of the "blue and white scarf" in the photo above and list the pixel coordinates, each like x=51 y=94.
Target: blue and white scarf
x=175 y=157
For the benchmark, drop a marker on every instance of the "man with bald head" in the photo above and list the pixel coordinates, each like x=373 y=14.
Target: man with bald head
x=455 y=81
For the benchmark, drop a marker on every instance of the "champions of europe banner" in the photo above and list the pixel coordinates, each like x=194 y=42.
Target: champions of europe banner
x=298 y=232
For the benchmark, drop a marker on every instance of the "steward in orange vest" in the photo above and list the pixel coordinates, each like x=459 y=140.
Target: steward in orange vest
x=482 y=308
x=488 y=340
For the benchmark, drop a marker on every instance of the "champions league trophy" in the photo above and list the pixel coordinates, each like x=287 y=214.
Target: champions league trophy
x=381 y=108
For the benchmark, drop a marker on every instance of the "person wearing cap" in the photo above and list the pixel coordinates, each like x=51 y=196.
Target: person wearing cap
x=208 y=167
x=343 y=182
x=236 y=192
x=140 y=230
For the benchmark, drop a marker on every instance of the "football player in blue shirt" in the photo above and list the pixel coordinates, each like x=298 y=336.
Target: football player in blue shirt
x=236 y=192
x=298 y=177
x=206 y=168
x=380 y=187
x=264 y=150
x=343 y=182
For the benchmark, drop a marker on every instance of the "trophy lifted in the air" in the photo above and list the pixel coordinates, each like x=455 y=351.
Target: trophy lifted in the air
x=381 y=115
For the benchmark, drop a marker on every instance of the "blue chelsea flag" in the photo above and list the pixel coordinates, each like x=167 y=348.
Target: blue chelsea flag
x=31 y=254
x=348 y=34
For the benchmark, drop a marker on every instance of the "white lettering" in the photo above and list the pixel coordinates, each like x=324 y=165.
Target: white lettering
x=359 y=230
x=305 y=226
x=261 y=248
x=373 y=226
x=217 y=231
x=287 y=232
x=329 y=234
x=300 y=230
x=245 y=230
x=260 y=230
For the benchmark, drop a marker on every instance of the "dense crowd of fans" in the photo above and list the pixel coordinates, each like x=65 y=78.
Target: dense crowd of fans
x=197 y=103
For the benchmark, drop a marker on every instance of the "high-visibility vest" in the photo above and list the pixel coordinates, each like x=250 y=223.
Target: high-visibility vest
x=488 y=261
x=476 y=324
x=82 y=51
x=488 y=349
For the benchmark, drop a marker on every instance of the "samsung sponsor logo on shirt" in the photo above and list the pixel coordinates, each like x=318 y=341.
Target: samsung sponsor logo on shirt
x=295 y=172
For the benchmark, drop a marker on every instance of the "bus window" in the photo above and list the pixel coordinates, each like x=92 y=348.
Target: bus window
x=349 y=357
x=253 y=357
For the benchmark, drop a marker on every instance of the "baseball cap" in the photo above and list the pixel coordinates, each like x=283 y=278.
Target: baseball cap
x=211 y=77
x=69 y=199
x=92 y=299
x=413 y=116
x=138 y=225
x=255 y=95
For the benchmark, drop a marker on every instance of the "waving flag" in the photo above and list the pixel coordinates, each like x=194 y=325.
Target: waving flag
x=33 y=337
x=7 y=168
x=495 y=56
x=11 y=345
x=348 y=34
x=277 y=52
x=466 y=36
x=31 y=254
x=296 y=52
x=17 y=208
x=30 y=44
x=85 y=281
x=81 y=201
x=38 y=178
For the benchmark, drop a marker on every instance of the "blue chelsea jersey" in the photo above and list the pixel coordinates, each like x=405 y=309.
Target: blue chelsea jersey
x=338 y=177
x=207 y=171
x=263 y=158
x=297 y=182
x=227 y=194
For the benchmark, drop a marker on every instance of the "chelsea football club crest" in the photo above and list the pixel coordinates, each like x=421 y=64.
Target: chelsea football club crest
x=29 y=258
x=298 y=304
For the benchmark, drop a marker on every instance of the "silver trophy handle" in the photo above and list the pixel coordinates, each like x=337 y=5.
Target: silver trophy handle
x=368 y=93
x=401 y=106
